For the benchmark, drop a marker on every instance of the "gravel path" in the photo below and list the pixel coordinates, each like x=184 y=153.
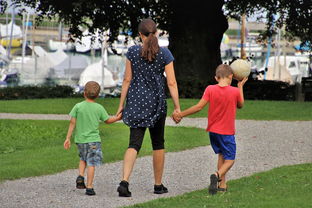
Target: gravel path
x=261 y=145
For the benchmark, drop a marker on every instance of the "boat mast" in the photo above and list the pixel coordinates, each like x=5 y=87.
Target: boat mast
x=11 y=33
x=104 y=57
x=243 y=30
x=24 y=38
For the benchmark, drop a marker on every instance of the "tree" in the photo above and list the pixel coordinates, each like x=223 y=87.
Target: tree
x=296 y=15
x=195 y=27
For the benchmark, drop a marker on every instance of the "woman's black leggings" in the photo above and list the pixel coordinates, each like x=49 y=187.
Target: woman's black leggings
x=156 y=132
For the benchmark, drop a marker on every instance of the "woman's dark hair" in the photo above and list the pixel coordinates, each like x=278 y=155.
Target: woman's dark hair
x=150 y=46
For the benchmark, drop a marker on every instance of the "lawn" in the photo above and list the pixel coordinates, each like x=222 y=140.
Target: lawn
x=34 y=147
x=253 y=110
x=287 y=187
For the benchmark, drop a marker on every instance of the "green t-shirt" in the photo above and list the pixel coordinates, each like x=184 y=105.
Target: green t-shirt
x=88 y=115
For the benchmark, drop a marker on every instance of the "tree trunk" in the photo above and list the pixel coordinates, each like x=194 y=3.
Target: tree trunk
x=195 y=33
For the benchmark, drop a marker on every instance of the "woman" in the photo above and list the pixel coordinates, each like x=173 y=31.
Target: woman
x=143 y=89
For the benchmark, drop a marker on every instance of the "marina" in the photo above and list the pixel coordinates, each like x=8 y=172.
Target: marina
x=45 y=56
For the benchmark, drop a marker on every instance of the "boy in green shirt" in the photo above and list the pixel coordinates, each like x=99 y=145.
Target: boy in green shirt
x=85 y=118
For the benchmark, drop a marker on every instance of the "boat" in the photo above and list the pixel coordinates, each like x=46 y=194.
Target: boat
x=35 y=69
x=303 y=49
x=88 y=42
x=163 y=41
x=69 y=69
x=54 y=45
x=225 y=48
x=252 y=49
x=94 y=72
x=5 y=34
x=100 y=73
x=289 y=69
x=8 y=77
x=16 y=43
x=121 y=45
x=3 y=55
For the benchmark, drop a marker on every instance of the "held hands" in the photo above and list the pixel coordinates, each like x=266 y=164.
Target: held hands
x=119 y=113
x=67 y=144
x=119 y=116
x=176 y=116
x=241 y=83
x=120 y=109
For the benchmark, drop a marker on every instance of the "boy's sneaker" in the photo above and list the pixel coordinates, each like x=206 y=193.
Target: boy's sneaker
x=80 y=183
x=160 y=189
x=213 y=187
x=123 y=189
x=222 y=189
x=90 y=191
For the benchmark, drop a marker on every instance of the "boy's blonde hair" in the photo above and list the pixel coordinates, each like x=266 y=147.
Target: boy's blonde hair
x=92 y=90
x=223 y=71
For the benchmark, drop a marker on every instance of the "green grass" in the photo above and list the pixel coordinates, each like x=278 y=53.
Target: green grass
x=33 y=148
x=253 y=110
x=286 y=187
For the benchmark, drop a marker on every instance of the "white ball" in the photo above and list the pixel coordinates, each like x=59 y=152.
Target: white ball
x=241 y=68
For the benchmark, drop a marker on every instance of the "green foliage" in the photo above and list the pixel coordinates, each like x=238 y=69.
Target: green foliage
x=33 y=148
x=31 y=92
x=295 y=15
x=190 y=87
x=268 y=90
x=287 y=187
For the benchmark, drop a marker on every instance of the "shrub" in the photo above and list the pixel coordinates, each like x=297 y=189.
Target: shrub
x=32 y=92
x=253 y=89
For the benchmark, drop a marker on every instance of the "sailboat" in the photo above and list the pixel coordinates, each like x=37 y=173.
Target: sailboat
x=5 y=33
x=121 y=45
x=28 y=66
x=99 y=73
x=85 y=44
x=290 y=69
x=54 y=45
x=7 y=76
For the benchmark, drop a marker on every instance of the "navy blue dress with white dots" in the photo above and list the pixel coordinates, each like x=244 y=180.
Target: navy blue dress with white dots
x=146 y=99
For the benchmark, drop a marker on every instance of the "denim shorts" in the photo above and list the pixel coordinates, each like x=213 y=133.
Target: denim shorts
x=91 y=153
x=223 y=144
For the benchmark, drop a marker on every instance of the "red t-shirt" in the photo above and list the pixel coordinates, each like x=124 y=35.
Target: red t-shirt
x=222 y=108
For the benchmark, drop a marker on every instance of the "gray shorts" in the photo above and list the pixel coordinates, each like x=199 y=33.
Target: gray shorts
x=91 y=153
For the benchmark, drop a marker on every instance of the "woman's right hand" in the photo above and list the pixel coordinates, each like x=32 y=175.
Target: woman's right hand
x=176 y=115
x=120 y=109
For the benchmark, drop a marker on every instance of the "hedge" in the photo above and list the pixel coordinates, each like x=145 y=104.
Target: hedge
x=188 y=88
x=253 y=89
x=32 y=92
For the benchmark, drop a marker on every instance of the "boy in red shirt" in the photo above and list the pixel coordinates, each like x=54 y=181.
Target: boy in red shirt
x=223 y=100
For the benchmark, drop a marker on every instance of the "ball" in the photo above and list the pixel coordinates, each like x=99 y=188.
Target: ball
x=241 y=69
